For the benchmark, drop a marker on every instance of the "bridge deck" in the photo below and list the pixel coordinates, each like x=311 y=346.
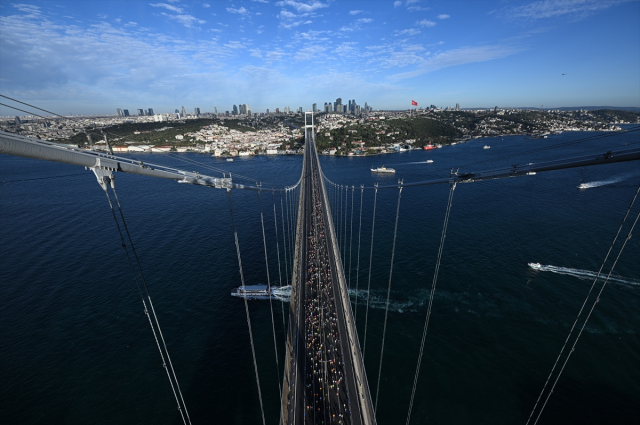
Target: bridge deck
x=324 y=378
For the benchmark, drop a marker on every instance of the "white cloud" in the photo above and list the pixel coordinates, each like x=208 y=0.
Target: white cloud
x=309 y=52
x=102 y=16
x=261 y=1
x=364 y=20
x=240 y=11
x=302 y=7
x=287 y=15
x=410 y=31
x=206 y=5
x=458 y=57
x=355 y=12
x=556 y=8
x=167 y=6
x=234 y=45
x=186 y=20
x=443 y=16
x=397 y=3
x=426 y=23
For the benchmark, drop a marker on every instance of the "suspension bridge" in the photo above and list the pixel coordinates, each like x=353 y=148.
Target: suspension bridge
x=323 y=375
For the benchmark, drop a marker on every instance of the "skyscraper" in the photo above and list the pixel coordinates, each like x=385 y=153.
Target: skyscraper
x=235 y=110
x=314 y=108
x=215 y=110
x=120 y=113
x=353 y=105
x=141 y=112
x=338 y=106
x=184 y=113
x=126 y=112
x=18 y=122
x=196 y=111
x=150 y=112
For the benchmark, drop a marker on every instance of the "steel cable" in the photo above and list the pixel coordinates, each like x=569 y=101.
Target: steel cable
x=433 y=290
x=386 y=310
x=246 y=304
x=582 y=308
x=373 y=227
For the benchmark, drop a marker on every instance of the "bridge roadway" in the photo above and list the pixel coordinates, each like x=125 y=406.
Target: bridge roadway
x=324 y=381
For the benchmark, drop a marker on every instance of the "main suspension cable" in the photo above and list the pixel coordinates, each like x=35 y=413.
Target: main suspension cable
x=266 y=262
x=433 y=290
x=386 y=310
x=582 y=308
x=373 y=227
x=246 y=304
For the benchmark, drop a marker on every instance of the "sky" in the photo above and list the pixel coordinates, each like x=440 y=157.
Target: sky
x=91 y=57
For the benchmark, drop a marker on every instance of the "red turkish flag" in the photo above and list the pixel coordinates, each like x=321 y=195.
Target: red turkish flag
x=414 y=103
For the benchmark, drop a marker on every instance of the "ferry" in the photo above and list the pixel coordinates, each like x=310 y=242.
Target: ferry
x=383 y=170
x=429 y=146
x=535 y=266
x=252 y=291
x=486 y=147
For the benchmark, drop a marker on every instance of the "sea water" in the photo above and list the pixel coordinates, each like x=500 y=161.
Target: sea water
x=77 y=348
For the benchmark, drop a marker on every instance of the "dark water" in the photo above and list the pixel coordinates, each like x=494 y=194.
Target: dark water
x=76 y=347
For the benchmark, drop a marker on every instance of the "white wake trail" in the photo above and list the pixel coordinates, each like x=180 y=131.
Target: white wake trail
x=586 y=274
x=614 y=179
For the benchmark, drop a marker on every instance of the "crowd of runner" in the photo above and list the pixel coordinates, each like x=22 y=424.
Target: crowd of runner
x=327 y=399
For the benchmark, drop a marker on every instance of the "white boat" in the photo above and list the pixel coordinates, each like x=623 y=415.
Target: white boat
x=229 y=159
x=429 y=161
x=584 y=186
x=535 y=266
x=383 y=169
x=486 y=147
x=252 y=291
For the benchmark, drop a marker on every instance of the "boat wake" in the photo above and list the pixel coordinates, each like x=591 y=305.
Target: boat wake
x=583 y=274
x=612 y=180
x=377 y=301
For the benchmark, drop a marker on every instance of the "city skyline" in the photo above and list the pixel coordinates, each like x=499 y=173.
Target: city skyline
x=94 y=57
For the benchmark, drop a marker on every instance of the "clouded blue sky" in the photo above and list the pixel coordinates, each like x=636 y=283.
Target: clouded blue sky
x=87 y=57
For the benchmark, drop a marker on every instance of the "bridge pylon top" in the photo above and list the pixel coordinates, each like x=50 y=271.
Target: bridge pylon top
x=308 y=126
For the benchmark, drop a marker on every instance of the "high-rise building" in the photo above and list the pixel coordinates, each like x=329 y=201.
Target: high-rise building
x=215 y=110
x=196 y=111
x=300 y=109
x=18 y=122
x=150 y=112
x=357 y=110
x=234 y=111
x=353 y=105
x=267 y=112
x=314 y=108
x=141 y=112
x=120 y=113
x=457 y=106
x=338 y=105
x=184 y=112
x=366 y=107
x=277 y=111
x=126 y=112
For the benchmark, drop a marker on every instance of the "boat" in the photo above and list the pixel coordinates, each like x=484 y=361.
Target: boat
x=486 y=147
x=252 y=291
x=229 y=159
x=429 y=146
x=429 y=161
x=584 y=186
x=383 y=169
x=535 y=266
